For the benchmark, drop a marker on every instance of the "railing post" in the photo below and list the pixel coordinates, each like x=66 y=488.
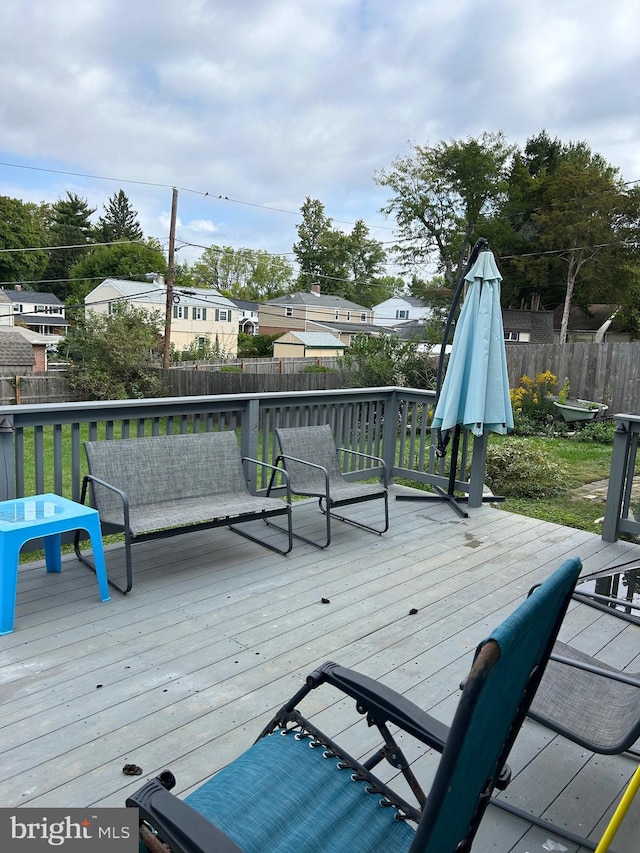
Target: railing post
x=478 y=469
x=249 y=440
x=7 y=460
x=390 y=433
x=617 y=478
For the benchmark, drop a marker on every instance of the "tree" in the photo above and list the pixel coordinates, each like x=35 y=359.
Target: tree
x=256 y=346
x=251 y=274
x=122 y=260
x=21 y=228
x=321 y=252
x=120 y=221
x=347 y=265
x=568 y=225
x=377 y=362
x=441 y=194
x=112 y=355
x=72 y=231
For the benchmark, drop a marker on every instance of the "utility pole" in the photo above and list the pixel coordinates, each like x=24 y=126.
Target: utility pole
x=170 y=276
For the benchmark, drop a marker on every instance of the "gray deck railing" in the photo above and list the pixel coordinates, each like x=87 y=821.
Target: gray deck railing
x=622 y=511
x=41 y=446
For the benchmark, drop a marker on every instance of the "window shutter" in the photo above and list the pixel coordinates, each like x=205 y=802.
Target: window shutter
x=175 y=312
x=217 y=314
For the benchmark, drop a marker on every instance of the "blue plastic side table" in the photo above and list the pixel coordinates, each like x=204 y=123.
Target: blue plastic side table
x=47 y=516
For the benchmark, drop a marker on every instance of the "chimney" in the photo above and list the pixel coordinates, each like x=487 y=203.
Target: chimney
x=17 y=287
x=315 y=288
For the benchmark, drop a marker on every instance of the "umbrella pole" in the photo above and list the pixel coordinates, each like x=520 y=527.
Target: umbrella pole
x=449 y=495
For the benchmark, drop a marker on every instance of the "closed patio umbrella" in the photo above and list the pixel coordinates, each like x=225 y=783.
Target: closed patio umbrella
x=475 y=392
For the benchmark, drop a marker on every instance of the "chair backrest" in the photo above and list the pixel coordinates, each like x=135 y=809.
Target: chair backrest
x=313 y=444
x=506 y=672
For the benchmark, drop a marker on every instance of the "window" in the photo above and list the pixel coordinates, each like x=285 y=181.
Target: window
x=512 y=336
x=180 y=312
x=348 y=316
x=111 y=308
x=363 y=317
x=199 y=313
x=17 y=308
x=337 y=313
x=223 y=314
x=288 y=311
x=202 y=342
x=402 y=314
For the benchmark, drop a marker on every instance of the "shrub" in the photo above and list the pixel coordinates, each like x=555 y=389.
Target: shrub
x=532 y=403
x=600 y=432
x=317 y=368
x=230 y=368
x=523 y=472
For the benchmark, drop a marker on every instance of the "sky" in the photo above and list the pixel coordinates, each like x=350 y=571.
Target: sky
x=250 y=106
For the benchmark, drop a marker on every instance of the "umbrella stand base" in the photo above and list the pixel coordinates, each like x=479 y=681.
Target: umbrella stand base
x=453 y=501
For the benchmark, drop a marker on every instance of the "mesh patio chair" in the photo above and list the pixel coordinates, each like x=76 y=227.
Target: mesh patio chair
x=310 y=457
x=296 y=790
x=589 y=702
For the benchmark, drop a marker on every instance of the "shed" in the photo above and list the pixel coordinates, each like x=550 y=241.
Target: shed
x=16 y=353
x=308 y=345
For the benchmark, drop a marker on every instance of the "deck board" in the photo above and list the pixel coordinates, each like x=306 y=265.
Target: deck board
x=218 y=632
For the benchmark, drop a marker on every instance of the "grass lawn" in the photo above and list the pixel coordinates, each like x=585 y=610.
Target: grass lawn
x=582 y=463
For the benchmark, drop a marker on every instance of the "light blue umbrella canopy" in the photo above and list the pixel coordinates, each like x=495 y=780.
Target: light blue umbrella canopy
x=475 y=391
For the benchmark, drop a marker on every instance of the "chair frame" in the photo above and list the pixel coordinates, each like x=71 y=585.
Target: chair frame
x=624 y=746
x=187 y=831
x=326 y=503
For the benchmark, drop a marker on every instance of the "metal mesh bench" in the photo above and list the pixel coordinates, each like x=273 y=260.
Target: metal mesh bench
x=154 y=487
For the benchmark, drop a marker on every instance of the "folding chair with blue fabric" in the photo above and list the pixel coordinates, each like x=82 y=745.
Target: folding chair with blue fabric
x=281 y=795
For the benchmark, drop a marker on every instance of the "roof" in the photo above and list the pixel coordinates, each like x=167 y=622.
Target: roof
x=414 y=301
x=32 y=296
x=317 y=340
x=353 y=328
x=245 y=304
x=43 y=319
x=585 y=321
x=14 y=347
x=322 y=299
x=152 y=293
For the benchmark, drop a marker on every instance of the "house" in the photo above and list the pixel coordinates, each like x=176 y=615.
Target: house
x=247 y=316
x=308 y=345
x=42 y=313
x=528 y=327
x=316 y=312
x=401 y=309
x=598 y=323
x=199 y=314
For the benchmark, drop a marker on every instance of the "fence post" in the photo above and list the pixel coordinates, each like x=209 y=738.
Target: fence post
x=7 y=460
x=390 y=433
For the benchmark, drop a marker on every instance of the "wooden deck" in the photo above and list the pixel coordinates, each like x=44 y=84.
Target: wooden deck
x=218 y=632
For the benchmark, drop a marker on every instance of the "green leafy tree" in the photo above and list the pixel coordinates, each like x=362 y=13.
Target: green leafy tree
x=120 y=221
x=122 y=260
x=256 y=346
x=567 y=228
x=251 y=274
x=21 y=227
x=441 y=195
x=374 y=362
x=112 y=356
x=321 y=251
x=70 y=227
x=348 y=265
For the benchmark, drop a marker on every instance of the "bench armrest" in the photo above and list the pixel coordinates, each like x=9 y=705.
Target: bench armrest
x=90 y=478
x=594 y=669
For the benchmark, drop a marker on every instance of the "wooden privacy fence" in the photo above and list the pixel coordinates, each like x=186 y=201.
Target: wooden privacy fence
x=606 y=373
x=190 y=383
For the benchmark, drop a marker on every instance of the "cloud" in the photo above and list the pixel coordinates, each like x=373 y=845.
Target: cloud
x=276 y=99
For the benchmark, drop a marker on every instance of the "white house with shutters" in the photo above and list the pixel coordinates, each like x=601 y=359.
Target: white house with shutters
x=400 y=309
x=198 y=314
